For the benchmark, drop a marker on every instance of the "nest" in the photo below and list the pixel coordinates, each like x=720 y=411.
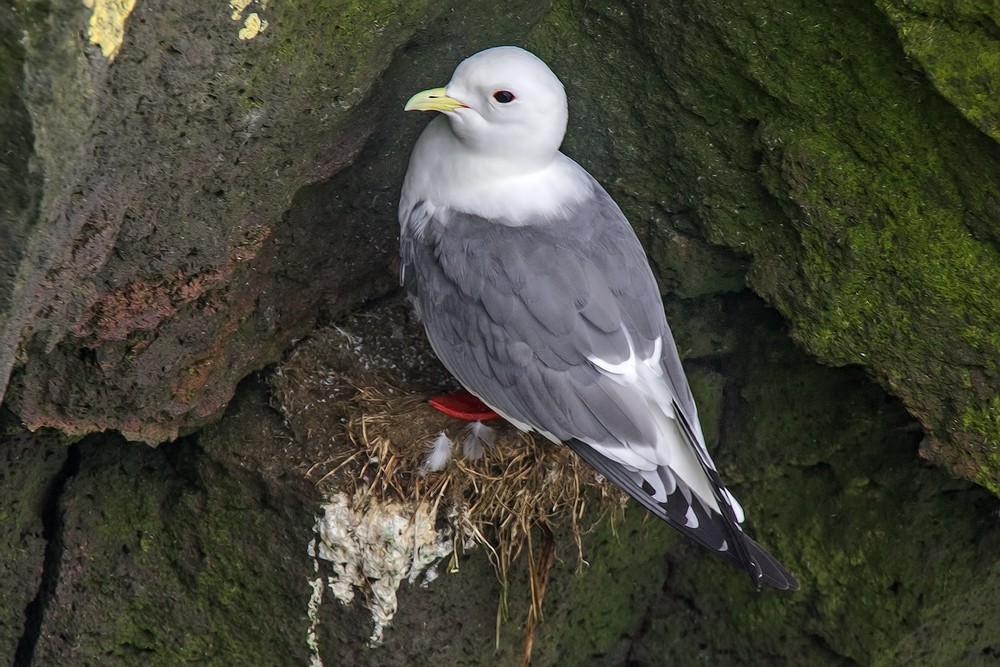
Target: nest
x=360 y=390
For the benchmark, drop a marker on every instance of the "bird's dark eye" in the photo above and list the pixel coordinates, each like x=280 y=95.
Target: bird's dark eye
x=503 y=96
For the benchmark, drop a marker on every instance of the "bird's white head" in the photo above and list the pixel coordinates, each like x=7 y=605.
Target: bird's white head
x=494 y=152
x=505 y=105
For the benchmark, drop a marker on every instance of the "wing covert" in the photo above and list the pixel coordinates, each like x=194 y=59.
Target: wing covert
x=516 y=312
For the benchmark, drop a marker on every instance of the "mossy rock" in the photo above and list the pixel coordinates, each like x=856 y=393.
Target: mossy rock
x=958 y=47
x=197 y=549
x=800 y=136
x=959 y=631
x=791 y=146
x=29 y=468
x=179 y=554
x=887 y=548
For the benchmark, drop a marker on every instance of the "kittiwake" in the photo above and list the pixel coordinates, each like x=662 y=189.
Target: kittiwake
x=536 y=294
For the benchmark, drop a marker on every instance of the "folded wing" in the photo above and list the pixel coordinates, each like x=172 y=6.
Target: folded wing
x=557 y=324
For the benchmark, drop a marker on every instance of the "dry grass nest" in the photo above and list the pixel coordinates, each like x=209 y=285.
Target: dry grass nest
x=361 y=389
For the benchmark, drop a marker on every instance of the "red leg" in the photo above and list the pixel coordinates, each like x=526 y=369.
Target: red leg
x=462 y=405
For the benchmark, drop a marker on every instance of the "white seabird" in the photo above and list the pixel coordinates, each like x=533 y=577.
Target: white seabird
x=536 y=295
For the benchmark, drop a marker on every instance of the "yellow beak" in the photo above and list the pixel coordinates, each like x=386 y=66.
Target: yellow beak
x=433 y=100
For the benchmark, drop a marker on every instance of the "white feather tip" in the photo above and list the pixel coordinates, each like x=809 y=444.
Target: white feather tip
x=478 y=436
x=440 y=453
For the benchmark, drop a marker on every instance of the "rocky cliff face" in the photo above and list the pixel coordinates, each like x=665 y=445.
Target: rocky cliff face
x=164 y=237
x=188 y=190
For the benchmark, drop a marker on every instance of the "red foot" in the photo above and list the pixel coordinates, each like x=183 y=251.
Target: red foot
x=462 y=405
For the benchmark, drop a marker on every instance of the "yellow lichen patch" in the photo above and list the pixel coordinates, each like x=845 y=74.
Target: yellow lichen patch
x=252 y=26
x=238 y=6
x=107 y=24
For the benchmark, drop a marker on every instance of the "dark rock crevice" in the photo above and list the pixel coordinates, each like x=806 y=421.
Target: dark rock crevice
x=52 y=532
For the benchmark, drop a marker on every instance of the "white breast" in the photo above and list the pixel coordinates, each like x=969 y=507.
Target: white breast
x=445 y=174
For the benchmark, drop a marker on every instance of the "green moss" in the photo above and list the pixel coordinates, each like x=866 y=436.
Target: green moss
x=957 y=45
x=700 y=327
x=800 y=135
x=611 y=593
x=825 y=465
x=961 y=631
x=322 y=58
x=204 y=558
x=28 y=464
x=179 y=555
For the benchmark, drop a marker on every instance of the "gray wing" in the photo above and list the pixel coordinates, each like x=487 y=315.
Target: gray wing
x=520 y=313
x=516 y=311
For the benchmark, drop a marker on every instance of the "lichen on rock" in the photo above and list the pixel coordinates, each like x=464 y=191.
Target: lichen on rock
x=107 y=24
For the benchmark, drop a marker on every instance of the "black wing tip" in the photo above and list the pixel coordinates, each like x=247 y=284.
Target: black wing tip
x=765 y=569
x=786 y=583
x=762 y=567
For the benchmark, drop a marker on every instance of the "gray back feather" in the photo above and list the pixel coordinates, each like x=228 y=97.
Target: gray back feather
x=514 y=312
